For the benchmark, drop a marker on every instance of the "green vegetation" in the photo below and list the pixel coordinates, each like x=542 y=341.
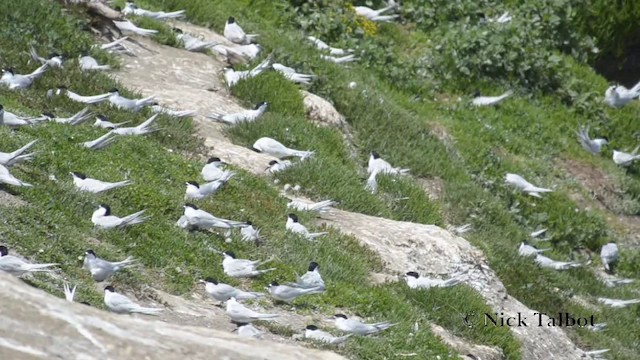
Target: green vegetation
x=404 y=106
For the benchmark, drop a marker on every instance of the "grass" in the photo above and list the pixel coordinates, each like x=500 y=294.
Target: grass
x=528 y=134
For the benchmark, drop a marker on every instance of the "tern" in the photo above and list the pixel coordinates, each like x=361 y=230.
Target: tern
x=234 y=33
x=616 y=303
x=321 y=45
x=223 y=292
x=359 y=328
x=240 y=314
x=524 y=186
x=242 y=116
x=131 y=8
x=201 y=219
x=88 y=63
x=158 y=109
x=55 y=60
x=101 y=269
x=10 y=119
x=289 y=293
x=250 y=233
x=340 y=60
x=322 y=206
x=18 y=156
x=102 y=218
x=123 y=103
x=594 y=146
x=312 y=332
x=104 y=123
x=78 y=118
x=378 y=165
x=479 y=100
x=376 y=15
x=239 y=54
x=213 y=171
x=95 y=99
x=527 y=250
x=18 y=82
x=83 y=183
x=232 y=77
x=69 y=293
x=18 y=267
x=242 y=268
x=129 y=27
x=625 y=159
x=192 y=43
x=609 y=256
x=618 y=96
x=415 y=281
x=121 y=304
x=248 y=331
x=273 y=147
x=311 y=279
x=291 y=74
x=144 y=128
x=545 y=262
x=295 y=227
x=101 y=142
x=7 y=178
x=198 y=192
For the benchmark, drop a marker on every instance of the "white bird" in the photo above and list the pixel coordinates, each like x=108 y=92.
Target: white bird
x=295 y=227
x=372 y=183
x=250 y=233
x=55 y=60
x=192 y=43
x=78 y=118
x=609 y=256
x=131 y=8
x=291 y=74
x=378 y=165
x=239 y=54
x=144 y=128
x=321 y=206
x=545 y=262
x=101 y=142
x=537 y=233
x=594 y=146
x=273 y=147
x=275 y=166
x=198 y=192
x=242 y=268
x=415 y=281
x=7 y=178
x=10 y=119
x=524 y=186
x=357 y=327
x=289 y=293
x=502 y=19
x=242 y=116
x=527 y=250
x=248 y=331
x=18 y=156
x=376 y=15
x=104 y=123
x=311 y=279
x=460 y=230
x=618 y=96
x=101 y=269
x=616 y=303
x=613 y=282
x=625 y=159
x=121 y=304
x=323 y=46
x=18 y=82
x=83 y=183
x=95 y=99
x=223 y=292
x=88 y=63
x=232 y=77
x=123 y=103
x=213 y=170
x=312 y=332
x=340 y=60
x=127 y=26
x=201 y=219
x=240 y=314
x=596 y=354
x=479 y=100
x=597 y=327
x=102 y=218
x=116 y=46
x=69 y=293
x=16 y=266
x=234 y=33
x=158 y=109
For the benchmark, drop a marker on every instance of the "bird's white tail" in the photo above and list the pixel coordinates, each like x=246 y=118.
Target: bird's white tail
x=147 y=311
x=41 y=267
x=133 y=219
x=322 y=205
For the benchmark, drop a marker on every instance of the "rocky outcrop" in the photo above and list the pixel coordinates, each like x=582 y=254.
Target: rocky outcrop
x=36 y=325
x=321 y=111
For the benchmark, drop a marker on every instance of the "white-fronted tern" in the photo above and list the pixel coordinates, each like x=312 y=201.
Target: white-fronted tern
x=84 y=183
x=545 y=262
x=273 y=147
x=248 y=331
x=618 y=96
x=524 y=186
x=102 y=218
x=479 y=100
x=121 y=304
x=527 y=250
x=7 y=178
x=234 y=33
x=18 y=267
x=127 y=26
x=250 y=233
x=18 y=82
x=289 y=293
x=242 y=268
x=55 y=60
x=232 y=77
x=594 y=146
x=12 y=120
x=357 y=327
x=323 y=46
x=295 y=227
x=240 y=314
x=123 y=103
x=415 y=281
x=291 y=74
x=625 y=159
x=103 y=122
x=378 y=165
x=18 y=156
x=101 y=269
x=144 y=128
x=201 y=219
x=276 y=166
x=242 y=116
x=223 y=292
x=88 y=63
x=198 y=192
x=609 y=256
x=192 y=43
x=213 y=170
x=312 y=332
x=311 y=279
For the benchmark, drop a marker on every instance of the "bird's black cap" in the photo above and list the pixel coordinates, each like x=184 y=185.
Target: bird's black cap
x=231 y=20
